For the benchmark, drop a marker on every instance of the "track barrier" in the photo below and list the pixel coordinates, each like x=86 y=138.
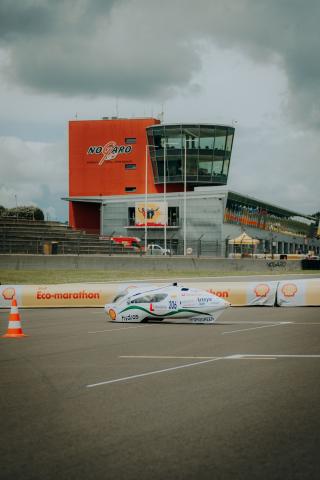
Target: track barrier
x=299 y=293
x=303 y=292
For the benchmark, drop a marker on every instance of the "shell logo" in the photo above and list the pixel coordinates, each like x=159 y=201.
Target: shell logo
x=262 y=290
x=289 y=289
x=112 y=314
x=9 y=293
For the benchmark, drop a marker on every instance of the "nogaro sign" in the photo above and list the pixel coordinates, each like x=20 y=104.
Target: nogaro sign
x=109 y=151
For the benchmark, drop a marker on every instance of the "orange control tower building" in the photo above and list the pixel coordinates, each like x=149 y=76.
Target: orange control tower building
x=127 y=157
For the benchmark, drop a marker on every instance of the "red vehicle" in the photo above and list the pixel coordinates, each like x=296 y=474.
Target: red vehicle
x=128 y=242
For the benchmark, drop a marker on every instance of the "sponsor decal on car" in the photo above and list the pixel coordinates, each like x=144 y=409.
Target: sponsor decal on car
x=206 y=319
x=112 y=314
x=204 y=300
x=128 y=318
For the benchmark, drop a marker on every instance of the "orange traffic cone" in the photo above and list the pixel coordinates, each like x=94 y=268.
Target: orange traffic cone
x=14 y=327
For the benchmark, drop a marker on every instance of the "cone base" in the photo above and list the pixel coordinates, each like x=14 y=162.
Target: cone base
x=13 y=335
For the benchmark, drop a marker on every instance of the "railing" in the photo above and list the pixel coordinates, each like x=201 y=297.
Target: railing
x=266 y=222
x=45 y=247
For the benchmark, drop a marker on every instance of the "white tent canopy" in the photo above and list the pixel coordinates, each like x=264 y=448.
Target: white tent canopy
x=244 y=239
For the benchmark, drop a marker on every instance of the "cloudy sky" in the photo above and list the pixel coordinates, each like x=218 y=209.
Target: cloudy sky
x=253 y=64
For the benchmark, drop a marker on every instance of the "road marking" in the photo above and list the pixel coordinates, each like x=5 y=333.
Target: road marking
x=306 y=323
x=240 y=356
x=165 y=357
x=246 y=322
x=121 y=329
x=171 y=357
x=256 y=328
x=155 y=372
x=253 y=358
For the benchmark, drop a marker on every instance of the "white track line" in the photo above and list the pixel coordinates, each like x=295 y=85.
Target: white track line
x=248 y=356
x=256 y=328
x=243 y=356
x=165 y=357
x=120 y=329
x=155 y=372
x=171 y=357
x=246 y=322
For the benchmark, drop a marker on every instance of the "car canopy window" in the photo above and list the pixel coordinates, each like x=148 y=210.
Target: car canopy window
x=150 y=298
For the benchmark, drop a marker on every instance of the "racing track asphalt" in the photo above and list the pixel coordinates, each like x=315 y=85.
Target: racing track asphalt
x=206 y=409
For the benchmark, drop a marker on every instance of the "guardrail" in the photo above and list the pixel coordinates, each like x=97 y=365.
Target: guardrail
x=289 y=293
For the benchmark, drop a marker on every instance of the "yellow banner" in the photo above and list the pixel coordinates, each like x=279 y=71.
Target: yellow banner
x=289 y=293
x=241 y=293
x=153 y=213
x=63 y=295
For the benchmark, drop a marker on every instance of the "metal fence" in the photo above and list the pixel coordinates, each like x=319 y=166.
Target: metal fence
x=197 y=248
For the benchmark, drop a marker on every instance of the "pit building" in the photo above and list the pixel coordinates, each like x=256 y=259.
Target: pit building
x=167 y=184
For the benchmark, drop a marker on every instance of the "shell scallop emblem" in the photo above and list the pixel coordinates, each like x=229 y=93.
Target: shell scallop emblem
x=8 y=293
x=289 y=289
x=262 y=290
x=112 y=314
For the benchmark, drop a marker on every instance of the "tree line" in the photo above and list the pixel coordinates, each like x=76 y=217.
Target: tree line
x=26 y=212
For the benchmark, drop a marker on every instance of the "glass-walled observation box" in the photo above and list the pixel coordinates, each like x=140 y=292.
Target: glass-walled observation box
x=205 y=148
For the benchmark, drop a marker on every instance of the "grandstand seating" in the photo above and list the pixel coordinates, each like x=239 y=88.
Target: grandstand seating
x=44 y=237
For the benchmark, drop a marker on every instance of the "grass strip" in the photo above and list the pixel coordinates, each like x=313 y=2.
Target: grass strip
x=34 y=277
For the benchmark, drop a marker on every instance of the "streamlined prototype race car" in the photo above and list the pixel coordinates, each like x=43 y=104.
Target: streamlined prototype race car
x=140 y=304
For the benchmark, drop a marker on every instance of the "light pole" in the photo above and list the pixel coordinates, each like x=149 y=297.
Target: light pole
x=185 y=200
x=164 y=194
x=145 y=203
x=185 y=197
x=165 y=189
x=146 y=200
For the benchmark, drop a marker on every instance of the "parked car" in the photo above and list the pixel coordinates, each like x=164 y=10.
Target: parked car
x=154 y=249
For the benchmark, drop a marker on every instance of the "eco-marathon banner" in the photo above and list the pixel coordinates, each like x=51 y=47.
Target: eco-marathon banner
x=63 y=295
x=286 y=293
x=154 y=214
x=241 y=293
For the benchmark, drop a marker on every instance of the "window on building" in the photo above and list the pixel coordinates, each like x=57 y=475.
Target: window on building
x=173 y=216
x=217 y=167
x=130 y=189
x=130 y=166
x=131 y=216
x=206 y=140
x=220 y=141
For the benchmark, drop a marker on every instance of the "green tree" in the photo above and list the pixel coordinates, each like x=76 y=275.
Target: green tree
x=27 y=212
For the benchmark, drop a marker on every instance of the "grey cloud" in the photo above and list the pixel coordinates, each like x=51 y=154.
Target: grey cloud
x=285 y=171
x=141 y=48
x=33 y=173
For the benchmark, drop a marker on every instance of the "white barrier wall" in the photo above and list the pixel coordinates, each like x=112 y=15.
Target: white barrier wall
x=97 y=294
x=241 y=293
x=299 y=293
x=61 y=295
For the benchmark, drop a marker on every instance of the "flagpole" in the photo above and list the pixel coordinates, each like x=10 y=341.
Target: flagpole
x=146 y=203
